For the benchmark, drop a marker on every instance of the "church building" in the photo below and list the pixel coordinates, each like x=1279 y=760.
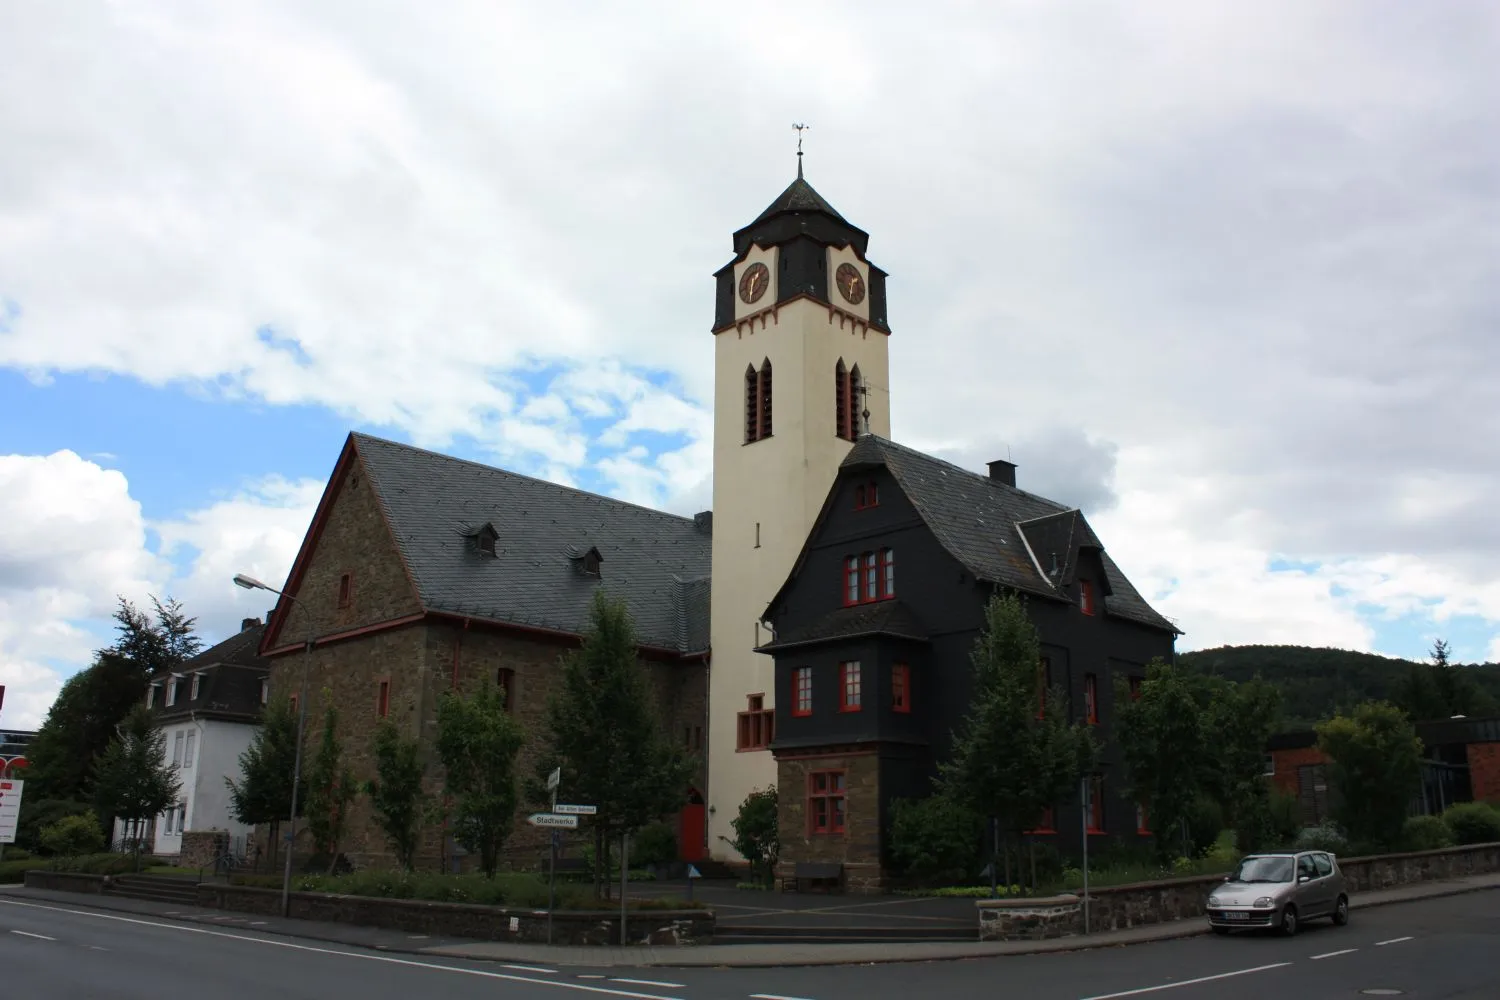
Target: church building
x=771 y=629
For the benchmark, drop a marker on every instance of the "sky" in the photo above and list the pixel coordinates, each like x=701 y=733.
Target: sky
x=1225 y=275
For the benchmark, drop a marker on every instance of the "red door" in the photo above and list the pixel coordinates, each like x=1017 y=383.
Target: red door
x=692 y=829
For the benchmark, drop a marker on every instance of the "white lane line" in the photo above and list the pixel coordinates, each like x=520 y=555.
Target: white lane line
x=1393 y=941
x=772 y=996
x=586 y=976
x=648 y=982
x=257 y=923
x=388 y=959
x=39 y=937
x=1334 y=954
x=1187 y=982
x=530 y=968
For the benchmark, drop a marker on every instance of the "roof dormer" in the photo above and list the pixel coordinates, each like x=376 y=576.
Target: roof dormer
x=483 y=539
x=585 y=561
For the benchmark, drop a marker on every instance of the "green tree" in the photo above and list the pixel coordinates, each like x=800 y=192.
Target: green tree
x=135 y=782
x=1162 y=735
x=1238 y=721
x=264 y=792
x=330 y=789
x=72 y=836
x=1016 y=754
x=757 y=832
x=87 y=713
x=936 y=838
x=1376 y=769
x=478 y=741
x=602 y=730
x=396 y=791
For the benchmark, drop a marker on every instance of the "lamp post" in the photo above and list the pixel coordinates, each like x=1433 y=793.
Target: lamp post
x=250 y=583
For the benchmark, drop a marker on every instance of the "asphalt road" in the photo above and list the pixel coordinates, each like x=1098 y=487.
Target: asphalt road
x=1438 y=948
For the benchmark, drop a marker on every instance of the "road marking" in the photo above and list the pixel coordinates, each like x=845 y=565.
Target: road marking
x=530 y=968
x=257 y=923
x=1393 y=941
x=388 y=959
x=1332 y=954
x=772 y=996
x=39 y=937
x=1187 y=982
x=650 y=982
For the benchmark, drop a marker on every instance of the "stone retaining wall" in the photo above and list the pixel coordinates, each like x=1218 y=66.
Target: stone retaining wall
x=201 y=847
x=487 y=923
x=1121 y=906
x=67 y=881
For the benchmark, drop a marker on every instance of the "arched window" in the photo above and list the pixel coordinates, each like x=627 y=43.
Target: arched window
x=856 y=403
x=758 y=402
x=841 y=400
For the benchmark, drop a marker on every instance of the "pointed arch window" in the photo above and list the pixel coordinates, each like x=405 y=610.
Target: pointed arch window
x=847 y=401
x=758 y=402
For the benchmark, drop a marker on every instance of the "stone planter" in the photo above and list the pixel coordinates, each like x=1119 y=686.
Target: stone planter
x=1034 y=919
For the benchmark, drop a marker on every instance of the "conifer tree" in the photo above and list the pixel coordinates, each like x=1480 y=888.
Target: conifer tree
x=330 y=789
x=264 y=792
x=478 y=741
x=396 y=791
x=135 y=782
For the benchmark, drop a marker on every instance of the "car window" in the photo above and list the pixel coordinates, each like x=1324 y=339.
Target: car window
x=1305 y=866
x=1264 y=870
x=1322 y=864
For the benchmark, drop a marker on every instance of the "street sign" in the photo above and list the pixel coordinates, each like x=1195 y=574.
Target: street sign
x=563 y=809
x=554 y=779
x=10 y=809
x=693 y=872
x=552 y=819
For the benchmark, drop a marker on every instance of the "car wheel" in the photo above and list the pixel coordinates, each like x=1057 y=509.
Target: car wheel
x=1341 y=911
x=1289 y=920
x=1221 y=930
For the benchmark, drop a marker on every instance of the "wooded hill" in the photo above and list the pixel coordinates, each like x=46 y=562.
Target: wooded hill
x=1316 y=682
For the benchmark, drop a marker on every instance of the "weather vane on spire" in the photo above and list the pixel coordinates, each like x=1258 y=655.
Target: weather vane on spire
x=800 y=129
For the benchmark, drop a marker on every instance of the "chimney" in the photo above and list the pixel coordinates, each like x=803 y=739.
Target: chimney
x=1003 y=471
x=248 y=623
x=704 y=522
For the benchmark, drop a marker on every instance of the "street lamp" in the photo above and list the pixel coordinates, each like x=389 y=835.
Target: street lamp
x=250 y=583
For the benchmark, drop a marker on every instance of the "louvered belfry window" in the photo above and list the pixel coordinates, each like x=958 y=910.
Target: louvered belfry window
x=758 y=402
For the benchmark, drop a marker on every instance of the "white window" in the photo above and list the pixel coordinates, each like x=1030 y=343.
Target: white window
x=177 y=751
x=171 y=817
x=151 y=696
x=187 y=752
x=265 y=691
x=181 y=817
x=193 y=694
x=171 y=692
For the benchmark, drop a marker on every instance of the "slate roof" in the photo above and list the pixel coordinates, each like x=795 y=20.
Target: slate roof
x=798 y=197
x=986 y=525
x=240 y=648
x=892 y=618
x=229 y=687
x=658 y=563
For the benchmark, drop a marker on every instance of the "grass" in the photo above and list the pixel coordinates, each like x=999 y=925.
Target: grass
x=514 y=889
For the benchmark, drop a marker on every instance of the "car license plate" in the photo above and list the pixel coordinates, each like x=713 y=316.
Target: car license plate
x=1236 y=916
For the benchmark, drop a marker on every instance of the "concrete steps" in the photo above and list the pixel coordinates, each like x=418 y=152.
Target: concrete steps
x=158 y=888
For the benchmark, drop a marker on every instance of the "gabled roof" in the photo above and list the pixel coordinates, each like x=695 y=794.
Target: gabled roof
x=985 y=524
x=658 y=563
x=240 y=649
x=892 y=618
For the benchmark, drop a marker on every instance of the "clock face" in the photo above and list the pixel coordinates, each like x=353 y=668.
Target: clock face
x=754 y=282
x=851 y=285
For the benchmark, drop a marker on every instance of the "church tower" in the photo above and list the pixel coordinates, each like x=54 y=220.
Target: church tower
x=800 y=371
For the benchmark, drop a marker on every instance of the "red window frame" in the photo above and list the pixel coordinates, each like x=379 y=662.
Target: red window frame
x=1142 y=821
x=851 y=686
x=1086 y=597
x=1096 y=803
x=383 y=699
x=827 y=802
x=756 y=727
x=802 y=692
x=1135 y=688
x=505 y=679
x=870 y=577
x=1048 y=822
x=1091 y=698
x=866 y=495
x=901 y=688
x=346 y=590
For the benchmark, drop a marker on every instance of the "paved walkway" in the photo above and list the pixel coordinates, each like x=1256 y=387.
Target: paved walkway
x=740 y=955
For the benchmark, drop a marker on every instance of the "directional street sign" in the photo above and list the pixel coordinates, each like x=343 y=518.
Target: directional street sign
x=552 y=819
x=554 y=779
x=566 y=810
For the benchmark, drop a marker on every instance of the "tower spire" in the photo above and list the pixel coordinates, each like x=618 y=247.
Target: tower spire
x=800 y=129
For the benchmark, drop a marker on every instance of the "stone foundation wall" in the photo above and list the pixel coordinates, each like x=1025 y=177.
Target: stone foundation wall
x=1028 y=919
x=200 y=848
x=487 y=923
x=858 y=847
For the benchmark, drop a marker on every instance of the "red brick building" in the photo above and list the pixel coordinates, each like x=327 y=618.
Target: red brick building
x=1461 y=764
x=423 y=573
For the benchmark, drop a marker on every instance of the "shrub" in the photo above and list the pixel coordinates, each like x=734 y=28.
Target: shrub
x=1425 y=833
x=935 y=838
x=520 y=890
x=1323 y=837
x=73 y=835
x=1271 y=823
x=12 y=872
x=1473 y=823
x=37 y=814
x=13 y=853
x=1205 y=820
x=102 y=864
x=654 y=845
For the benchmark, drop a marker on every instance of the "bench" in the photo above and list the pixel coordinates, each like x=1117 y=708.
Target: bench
x=829 y=874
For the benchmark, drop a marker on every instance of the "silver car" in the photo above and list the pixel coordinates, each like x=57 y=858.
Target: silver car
x=1280 y=890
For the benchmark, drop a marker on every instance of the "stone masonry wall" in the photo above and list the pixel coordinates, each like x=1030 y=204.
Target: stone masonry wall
x=858 y=847
x=200 y=848
x=1484 y=771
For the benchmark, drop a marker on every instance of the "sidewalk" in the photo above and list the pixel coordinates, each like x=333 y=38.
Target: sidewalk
x=732 y=955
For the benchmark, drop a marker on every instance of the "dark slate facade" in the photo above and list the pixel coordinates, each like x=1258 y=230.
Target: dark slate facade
x=226 y=681
x=954 y=537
